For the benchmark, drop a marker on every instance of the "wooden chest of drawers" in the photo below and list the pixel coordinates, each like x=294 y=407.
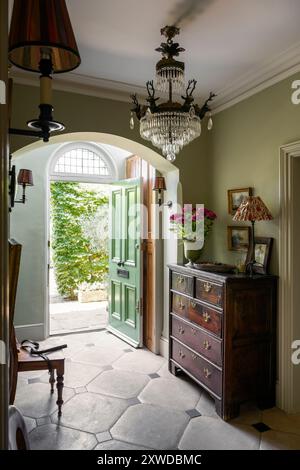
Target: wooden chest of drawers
x=222 y=334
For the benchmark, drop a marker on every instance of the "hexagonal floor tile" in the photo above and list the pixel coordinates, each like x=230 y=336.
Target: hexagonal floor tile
x=77 y=374
x=99 y=355
x=275 y=440
x=151 y=426
x=206 y=405
x=214 y=434
x=91 y=412
x=140 y=360
x=118 y=445
x=52 y=437
x=35 y=400
x=119 y=383
x=177 y=394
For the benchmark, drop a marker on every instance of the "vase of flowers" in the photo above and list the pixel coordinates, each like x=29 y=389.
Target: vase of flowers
x=192 y=226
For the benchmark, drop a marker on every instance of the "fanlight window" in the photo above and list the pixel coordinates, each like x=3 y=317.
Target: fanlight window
x=82 y=162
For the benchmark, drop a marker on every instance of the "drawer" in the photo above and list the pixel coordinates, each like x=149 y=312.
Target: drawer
x=209 y=292
x=198 y=367
x=206 y=317
x=198 y=340
x=179 y=305
x=182 y=283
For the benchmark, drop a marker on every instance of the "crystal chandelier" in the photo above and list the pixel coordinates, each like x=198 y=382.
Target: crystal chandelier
x=170 y=125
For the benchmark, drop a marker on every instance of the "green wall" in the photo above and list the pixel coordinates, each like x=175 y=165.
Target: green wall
x=82 y=113
x=244 y=151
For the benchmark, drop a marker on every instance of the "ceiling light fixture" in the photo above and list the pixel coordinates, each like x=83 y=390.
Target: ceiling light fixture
x=170 y=125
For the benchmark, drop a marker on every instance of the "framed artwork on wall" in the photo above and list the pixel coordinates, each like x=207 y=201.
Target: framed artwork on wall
x=262 y=250
x=236 y=197
x=238 y=238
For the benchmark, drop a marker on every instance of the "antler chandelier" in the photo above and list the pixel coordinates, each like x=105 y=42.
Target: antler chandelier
x=170 y=125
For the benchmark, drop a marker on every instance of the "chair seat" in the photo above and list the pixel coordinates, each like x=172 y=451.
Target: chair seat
x=28 y=362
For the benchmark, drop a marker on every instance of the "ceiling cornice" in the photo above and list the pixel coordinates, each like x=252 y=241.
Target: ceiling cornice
x=285 y=65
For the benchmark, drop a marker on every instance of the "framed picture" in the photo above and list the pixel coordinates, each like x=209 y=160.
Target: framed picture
x=238 y=238
x=262 y=250
x=236 y=197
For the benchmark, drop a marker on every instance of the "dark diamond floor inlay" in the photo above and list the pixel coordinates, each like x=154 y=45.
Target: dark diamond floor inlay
x=154 y=376
x=193 y=413
x=35 y=380
x=261 y=427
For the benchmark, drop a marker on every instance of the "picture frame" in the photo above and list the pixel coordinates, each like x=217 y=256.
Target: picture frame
x=263 y=251
x=238 y=238
x=235 y=198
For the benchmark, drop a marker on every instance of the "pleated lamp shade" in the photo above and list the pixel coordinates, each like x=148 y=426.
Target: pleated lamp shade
x=38 y=26
x=252 y=209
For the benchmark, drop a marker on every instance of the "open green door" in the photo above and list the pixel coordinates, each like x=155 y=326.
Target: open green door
x=125 y=315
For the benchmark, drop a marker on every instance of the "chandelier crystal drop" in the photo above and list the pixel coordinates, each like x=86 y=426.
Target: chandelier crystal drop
x=170 y=125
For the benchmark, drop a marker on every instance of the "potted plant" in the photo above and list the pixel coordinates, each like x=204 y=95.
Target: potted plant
x=192 y=226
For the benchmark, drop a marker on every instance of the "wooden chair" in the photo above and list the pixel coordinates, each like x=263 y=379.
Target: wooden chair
x=20 y=359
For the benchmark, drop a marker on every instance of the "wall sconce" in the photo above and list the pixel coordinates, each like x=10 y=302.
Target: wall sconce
x=41 y=40
x=159 y=187
x=24 y=179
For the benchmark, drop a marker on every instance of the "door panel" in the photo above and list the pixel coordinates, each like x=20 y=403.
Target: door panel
x=125 y=262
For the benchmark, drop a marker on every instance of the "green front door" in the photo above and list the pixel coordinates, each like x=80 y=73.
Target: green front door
x=125 y=261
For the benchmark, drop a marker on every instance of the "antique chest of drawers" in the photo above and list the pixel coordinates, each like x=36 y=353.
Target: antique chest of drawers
x=222 y=334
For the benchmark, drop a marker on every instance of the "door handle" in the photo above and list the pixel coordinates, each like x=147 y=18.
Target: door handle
x=120 y=264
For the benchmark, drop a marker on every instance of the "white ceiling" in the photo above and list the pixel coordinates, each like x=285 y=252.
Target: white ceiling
x=230 y=44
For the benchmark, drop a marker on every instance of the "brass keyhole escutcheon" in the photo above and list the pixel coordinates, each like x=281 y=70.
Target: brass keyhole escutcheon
x=207 y=373
x=206 y=317
x=181 y=354
x=181 y=330
x=206 y=345
x=207 y=286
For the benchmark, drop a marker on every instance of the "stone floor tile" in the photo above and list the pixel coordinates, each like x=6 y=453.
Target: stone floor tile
x=53 y=437
x=35 y=400
x=151 y=426
x=118 y=445
x=91 y=412
x=280 y=421
x=275 y=440
x=206 y=405
x=44 y=420
x=99 y=355
x=214 y=434
x=80 y=390
x=141 y=360
x=118 y=383
x=164 y=371
x=77 y=374
x=103 y=436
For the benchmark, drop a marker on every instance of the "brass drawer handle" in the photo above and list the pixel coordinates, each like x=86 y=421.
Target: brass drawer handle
x=193 y=304
x=206 y=345
x=193 y=331
x=180 y=280
x=207 y=286
x=181 y=305
x=206 y=317
x=194 y=357
x=181 y=354
x=180 y=330
x=207 y=373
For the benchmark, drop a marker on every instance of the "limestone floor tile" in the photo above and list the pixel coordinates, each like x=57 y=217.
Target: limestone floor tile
x=35 y=400
x=52 y=437
x=119 y=383
x=177 y=394
x=275 y=440
x=118 y=445
x=30 y=424
x=99 y=355
x=164 y=372
x=206 y=405
x=91 y=412
x=205 y=433
x=140 y=360
x=77 y=375
x=152 y=426
x=278 y=420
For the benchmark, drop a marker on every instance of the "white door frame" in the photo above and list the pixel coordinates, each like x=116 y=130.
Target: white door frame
x=286 y=391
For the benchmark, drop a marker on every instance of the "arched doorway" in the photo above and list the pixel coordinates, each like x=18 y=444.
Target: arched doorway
x=31 y=317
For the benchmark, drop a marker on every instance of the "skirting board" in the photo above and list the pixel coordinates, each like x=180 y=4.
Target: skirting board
x=164 y=347
x=34 y=332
